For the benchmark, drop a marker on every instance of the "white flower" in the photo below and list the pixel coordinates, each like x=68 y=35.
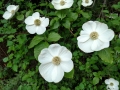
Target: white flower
x=55 y=60
x=62 y=4
x=86 y=3
x=36 y=24
x=11 y=10
x=112 y=84
x=94 y=36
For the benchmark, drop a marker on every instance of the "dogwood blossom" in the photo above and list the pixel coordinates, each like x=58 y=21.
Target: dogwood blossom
x=94 y=36
x=11 y=10
x=86 y=3
x=62 y=4
x=55 y=60
x=36 y=24
x=112 y=84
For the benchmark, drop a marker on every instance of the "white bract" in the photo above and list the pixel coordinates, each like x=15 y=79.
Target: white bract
x=86 y=3
x=36 y=24
x=94 y=36
x=55 y=60
x=112 y=84
x=11 y=10
x=62 y=4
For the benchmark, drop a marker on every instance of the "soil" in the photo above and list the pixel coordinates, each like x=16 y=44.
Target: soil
x=3 y=53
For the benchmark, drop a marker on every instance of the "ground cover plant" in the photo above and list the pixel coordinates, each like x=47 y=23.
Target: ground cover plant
x=59 y=45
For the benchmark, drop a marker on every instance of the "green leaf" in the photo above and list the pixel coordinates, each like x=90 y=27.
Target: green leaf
x=66 y=24
x=53 y=36
x=95 y=80
x=20 y=17
x=70 y=74
x=85 y=14
x=38 y=49
x=61 y=14
x=72 y=16
x=15 y=67
x=54 y=23
x=106 y=55
x=5 y=59
x=37 y=39
x=28 y=13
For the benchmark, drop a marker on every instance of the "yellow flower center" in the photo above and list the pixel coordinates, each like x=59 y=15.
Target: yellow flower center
x=86 y=1
x=37 y=22
x=94 y=35
x=56 y=60
x=13 y=11
x=62 y=2
x=111 y=84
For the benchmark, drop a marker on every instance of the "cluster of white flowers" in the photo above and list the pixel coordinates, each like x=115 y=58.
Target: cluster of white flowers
x=56 y=59
x=112 y=84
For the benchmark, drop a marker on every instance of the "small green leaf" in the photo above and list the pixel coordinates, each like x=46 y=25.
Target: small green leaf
x=54 y=23
x=15 y=67
x=85 y=14
x=5 y=59
x=53 y=36
x=95 y=80
x=28 y=13
x=61 y=14
x=106 y=55
x=20 y=17
x=66 y=24
x=38 y=49
x=37 y=39
x=70 y=74
x=72 y=16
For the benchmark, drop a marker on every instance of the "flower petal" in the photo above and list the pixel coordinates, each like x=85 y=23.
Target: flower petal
x=57 y=74
x=65 y=54
x=87 y=4
x=96 y=44
x=11 y=7
x=36 y=15
x=46 y=70
x=84 y=33
x=40 y=30
x=57 y=6
x=83 y=38
x=107 y=81
x=101 y=27
x=107 y=36
x=31 y=29
x=104 y=45
x=7 y=15
x=45 y=56
x=45 y=22
x=86 y=46
x=29 y=20
x=54 y=49
x=89 y=26
x=67 y=66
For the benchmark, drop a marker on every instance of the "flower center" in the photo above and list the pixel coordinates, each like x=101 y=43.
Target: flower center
x=111 y=84
x=62 y=2
x=13 y=11
x=37 y=22
x=94 y=35
x=86 y=1
x=56 y=60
